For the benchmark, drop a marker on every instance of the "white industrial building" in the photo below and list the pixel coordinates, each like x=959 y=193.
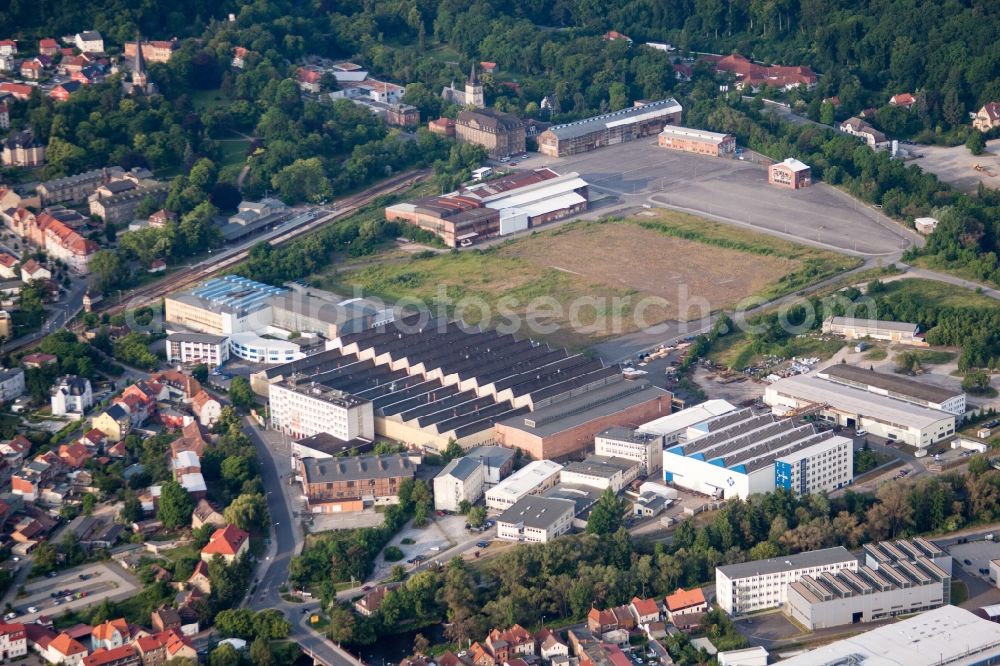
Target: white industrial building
x=752 y=586
x=303 y=409
x=945 y=636
x=746 y=453
x=535 y=519
x=629 y=443
x=601 y=472
x=460 y=481
x=898 y=578
x=674 y=427
x=876 y=329
x=498 y=462
x=896 y=386
x=520 y=208
x=752 y=656
x=880 y=415
x=534 y=478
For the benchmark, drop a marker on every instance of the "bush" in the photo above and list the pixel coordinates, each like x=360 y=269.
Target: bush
x=392 y=554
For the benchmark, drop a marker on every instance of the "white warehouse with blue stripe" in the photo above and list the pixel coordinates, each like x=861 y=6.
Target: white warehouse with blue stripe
x=743 y=453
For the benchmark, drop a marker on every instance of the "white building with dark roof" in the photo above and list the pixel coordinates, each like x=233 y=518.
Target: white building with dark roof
x=913 y=391
x=72 y=395
x=460 y=481
x=534 y=478
x=535 y=519
x=752 y=586
x=631 y=444
x=853 y=328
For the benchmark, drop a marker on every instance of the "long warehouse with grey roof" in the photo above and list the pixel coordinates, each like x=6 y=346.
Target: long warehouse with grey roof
x=430 y=383
x=580 y=136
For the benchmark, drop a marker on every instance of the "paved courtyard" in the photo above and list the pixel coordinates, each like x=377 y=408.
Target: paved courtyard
x=955 y=165
x=734 y=192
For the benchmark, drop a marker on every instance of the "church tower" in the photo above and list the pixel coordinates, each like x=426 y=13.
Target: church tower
x=474 y=90
x=140 y=81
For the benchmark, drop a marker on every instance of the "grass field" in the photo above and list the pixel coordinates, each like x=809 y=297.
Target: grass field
x=606 y=270
x=939 y=294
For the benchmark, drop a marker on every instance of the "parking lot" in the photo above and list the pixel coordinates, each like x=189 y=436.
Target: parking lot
x=974 y=557
x=439 y=535
x=731 y=191
x=103 y=581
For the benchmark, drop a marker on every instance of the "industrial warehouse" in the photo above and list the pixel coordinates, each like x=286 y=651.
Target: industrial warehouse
x=581 y=136
x=745 y=453
x=881 y=415
x=426 y=385
x=898 y=578
x=700 y=142
x=898 y=387
x=499 y=207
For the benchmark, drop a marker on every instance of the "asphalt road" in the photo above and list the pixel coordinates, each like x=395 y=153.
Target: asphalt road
x=286 y=541
x=58 y=315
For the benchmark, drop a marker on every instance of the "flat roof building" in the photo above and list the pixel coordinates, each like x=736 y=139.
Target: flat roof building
x=535 y=519
x=221 y=306
x=881 y=415
x=876 y=329
x=746 y=453
x=302 y=409
x=945 y=636
x=533 y=479
x=601 y=472
x=751 y=586
x=675 y=427
x=629 y=443
x=896 y=386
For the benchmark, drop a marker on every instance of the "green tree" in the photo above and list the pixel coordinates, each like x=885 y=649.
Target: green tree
x=108 y=268
x=224 y=655
x=977 y=381
x=200 y=372
x=477 y=516
x=175 y=506
x=260 y=652
x=976 y=143
x=452 y=451
x=392 y=554
x=826 y=113
x=248 y=512
x=241 y=394
x=607 y=515
x=302 y=180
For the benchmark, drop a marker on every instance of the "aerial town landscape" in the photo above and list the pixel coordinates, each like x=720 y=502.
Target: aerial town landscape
x=433 y=333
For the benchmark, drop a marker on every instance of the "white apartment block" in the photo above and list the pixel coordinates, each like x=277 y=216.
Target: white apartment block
x=212 y=350
x=627 y=443
x=11 y=384
x=752 y=586
x=534 y=519
x=460 y=481
x=534 y=478
x=825 y=466
x=304 y=409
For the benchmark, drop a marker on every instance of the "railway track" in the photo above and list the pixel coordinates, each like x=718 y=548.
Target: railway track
x=188 y=277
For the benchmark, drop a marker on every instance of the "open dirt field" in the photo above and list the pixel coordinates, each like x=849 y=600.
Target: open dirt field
x=587 y=281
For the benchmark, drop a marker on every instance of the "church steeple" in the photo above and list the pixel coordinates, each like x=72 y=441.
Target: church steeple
x=474 y=90
x=473 y=79
x=139 y=66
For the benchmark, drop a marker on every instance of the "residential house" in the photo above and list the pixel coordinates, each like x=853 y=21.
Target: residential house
x=32 y=270
x=614 y=35
x=200 y=580
x=550 y=646
x=18 y=91
x=64 y=91
x=161 y=647
x=987 y=118
x=72 y=395
x=89 y=41
x=644 y=610
x=510 y=643
x=31 y=70
x=206 y=408
x=903 y=100
x=229 y=542
x=48 y=46
x=22 y=149
x=239 y=57
x=369 y=604
x=205 y=513
x=115 y=421
x=192 y=438
x=74 y=455
x=38 y=360
x=154 y=50
x=165 y=618
x=8 y=47
x=8 y=266
x=310 y=79
x=4 y=116
x=859 y=128
x=11 y=384
x=755 y=76
x=685 y=602
x=66 y=650
x=124 y=655
x=13 y=641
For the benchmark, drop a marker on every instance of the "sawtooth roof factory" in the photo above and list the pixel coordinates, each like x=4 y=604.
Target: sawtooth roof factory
x=520 y=201
x=743 y=453
x=440 y=381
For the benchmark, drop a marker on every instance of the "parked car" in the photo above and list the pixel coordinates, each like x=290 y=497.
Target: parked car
x=32 y=609
x=967 y=562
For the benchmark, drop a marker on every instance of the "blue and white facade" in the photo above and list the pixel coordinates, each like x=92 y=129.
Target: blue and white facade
x=756 y=453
